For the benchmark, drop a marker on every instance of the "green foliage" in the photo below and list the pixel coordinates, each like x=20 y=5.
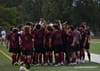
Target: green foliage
x=7 y=16
x=31 y=10
x=4 y=24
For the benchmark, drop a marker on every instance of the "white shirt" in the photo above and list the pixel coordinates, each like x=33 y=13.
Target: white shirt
x=3 y=34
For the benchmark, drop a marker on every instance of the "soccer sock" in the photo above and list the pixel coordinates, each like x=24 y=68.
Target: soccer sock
x=56 y=59
x=83 y=56
x=61 y=57
x=18 y=57
x=36 y=58
x=73 y=60
x=89 y=56
x=29 y=59
x=25 y=59
x=50 y=58
x=40 y=58
x=13 y=58
x=22 y=58
x=33 y=59
x=46 y=58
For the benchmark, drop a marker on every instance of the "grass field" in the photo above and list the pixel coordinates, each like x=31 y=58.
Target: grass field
x=95 y=46
x=5 y=63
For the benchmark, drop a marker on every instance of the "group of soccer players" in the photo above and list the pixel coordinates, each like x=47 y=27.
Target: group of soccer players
x=49 y=44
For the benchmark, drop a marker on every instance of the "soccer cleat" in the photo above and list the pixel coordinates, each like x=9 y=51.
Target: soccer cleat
x=82 y=61
x=56 y=65
x=46 y=64
x=62 y=64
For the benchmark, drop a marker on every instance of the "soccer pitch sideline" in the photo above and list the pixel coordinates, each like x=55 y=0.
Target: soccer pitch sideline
x=5 y=62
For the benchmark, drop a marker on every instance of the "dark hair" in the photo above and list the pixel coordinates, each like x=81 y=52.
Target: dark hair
x=11 y=28
x=29 y=24
x=56 y=26
x=49 y=28
x=38 y=26
x=15 y=30
x=72 y=27
x=20 y=27
x=26 y=30
x=82 y=26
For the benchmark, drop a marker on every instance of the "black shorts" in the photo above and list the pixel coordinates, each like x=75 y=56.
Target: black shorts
x=39 y=48
x=78 y=47
x=15 y=50
x=73 y=48
x=81 y=46
x=63 y=48
x=48 y=49
x=87 y=46
x=27 y=52
x=57 y=48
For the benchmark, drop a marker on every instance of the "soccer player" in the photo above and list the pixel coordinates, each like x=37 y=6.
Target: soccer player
x=57 y=44
x=13 y=44
x=27 y=45
x=66 y=45
x=20 y=56
x=38 y=43
x=72 y=42
x=85 y=38
x=48 y=45
x=3 y=37
x=78 y=38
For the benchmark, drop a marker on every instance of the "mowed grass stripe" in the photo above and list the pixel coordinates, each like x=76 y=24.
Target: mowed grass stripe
x=7 y=56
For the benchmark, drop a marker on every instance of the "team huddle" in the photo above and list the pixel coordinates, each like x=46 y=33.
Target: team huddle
x=49 y=44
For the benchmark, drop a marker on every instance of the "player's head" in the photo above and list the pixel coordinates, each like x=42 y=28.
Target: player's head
x=11 y=28
x=84 y=23
x=49 y=28
x=56 y=27
x=15 y=30
x=82 y=27
x=71 y=28
x=38 y=26
x=29 y=24
x=26 y=29
x=20 y=27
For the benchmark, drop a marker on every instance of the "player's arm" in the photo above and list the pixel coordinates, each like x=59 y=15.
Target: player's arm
x=50 y=41
x=74 y=40
x=65 y=22
x=60 y=25
x=86 y=39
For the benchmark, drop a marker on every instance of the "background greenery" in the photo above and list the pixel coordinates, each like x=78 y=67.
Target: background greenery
x=22 y=11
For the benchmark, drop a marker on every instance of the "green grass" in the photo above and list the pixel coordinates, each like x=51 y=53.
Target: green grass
x=95 y=46
x=5 y=63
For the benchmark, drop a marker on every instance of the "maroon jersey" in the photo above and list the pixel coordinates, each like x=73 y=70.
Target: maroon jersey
x=83 y=35
x=26 y=41
x=57 y=37
x=71 y=35
x=64 y=37
x=48 y=35
x=13 y=38
x=38 y=36
x=87 y=32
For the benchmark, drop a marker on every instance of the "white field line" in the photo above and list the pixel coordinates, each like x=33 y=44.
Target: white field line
x=94 y=42
x=85 y=67
x=6 y=55
x=94 y=57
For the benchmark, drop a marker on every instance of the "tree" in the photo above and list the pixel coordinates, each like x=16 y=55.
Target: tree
x=7 y=16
